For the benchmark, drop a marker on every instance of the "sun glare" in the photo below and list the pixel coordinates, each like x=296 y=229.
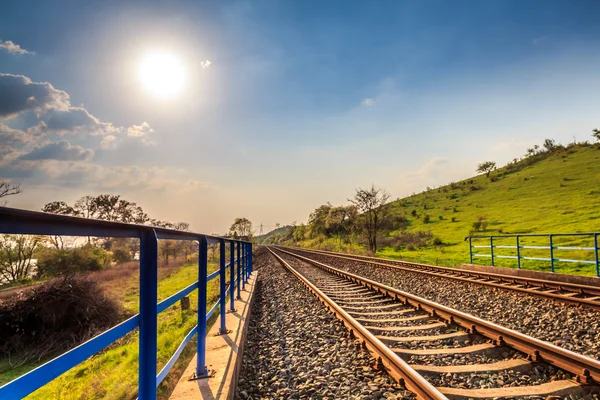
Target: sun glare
x=162 y=74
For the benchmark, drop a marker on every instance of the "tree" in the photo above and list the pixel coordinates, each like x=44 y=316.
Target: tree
x=16 y=252
x=550 y=144
x=371 y=204
x=8 y=189
x=241 y=227
x=340 y=220
x=596 y=134
x=487 y=167
x=59 y=207
x=317 y=220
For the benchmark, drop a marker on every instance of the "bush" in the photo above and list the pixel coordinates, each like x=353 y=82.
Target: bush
x=413 y=213
x=426 y=219
x=437 y=241
x=54 y=317
x=53 y=262
x=453 y=219
x=121 y=255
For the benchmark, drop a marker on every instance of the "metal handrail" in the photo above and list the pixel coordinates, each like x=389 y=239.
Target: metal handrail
x=16 y=221
x=550 y=247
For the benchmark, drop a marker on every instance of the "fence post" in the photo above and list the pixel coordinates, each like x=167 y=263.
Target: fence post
x=232 y=276
x=222 y=304
x=243 y=266
x=596 y=254
x=518 y=253
x=492 y=249
x=470 y=250
x=551 y=254
x=201 y=369
x=250 y=258
x=148 y=315
x=239 y=272
x=246 y=261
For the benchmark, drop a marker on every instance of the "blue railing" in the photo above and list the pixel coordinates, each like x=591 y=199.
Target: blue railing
x=551 y=247
x=14 y=221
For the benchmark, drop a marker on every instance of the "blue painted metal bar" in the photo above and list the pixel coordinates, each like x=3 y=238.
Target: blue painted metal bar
x=165 y=370
x=536 y=235
x=551 y=254
x=518 y=254
x=596 y=254
x=492 y=249
x=213 y=275
x=148 y=318
x=243 y=268
x=250 y=257
x=239 y=272
x=201 y=369
x=470 y=250
x=14 y=221
x=232 y=276
x=43 y=374
x=222 y=298
x=169 y=301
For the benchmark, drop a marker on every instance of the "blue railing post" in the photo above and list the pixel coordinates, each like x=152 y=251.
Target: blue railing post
x=246 y=261
x=551 y=254
x=243 y=266
x=148 y=317
x=470 y=250
x=239 y=272
x=222 y=305
x=250 y=257
x=518 y=253
x=232 y=276
x=201 y=369
x=492 y=249
x=596 y=254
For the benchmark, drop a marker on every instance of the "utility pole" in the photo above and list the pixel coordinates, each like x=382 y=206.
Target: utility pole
x=261 y=229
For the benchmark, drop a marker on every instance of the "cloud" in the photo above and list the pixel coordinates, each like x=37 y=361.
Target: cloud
x=367 y=102
x=205 y=64
x=538 y=40
x=76 y=120
x=61 y=150
x=140 y=130
x=19 y=94
x=13 y=48
x=14 y=137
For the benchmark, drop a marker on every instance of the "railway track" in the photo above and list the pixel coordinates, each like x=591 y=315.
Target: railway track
x=438 y=352
x=571 y=293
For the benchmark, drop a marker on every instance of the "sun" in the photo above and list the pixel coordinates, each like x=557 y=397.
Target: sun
x=162 y=74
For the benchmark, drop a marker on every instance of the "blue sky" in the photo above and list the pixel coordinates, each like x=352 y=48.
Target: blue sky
x=303 y=101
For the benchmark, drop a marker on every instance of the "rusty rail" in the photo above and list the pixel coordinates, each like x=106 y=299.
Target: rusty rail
x=546 y=286
x=586 y=369
x=393 y=364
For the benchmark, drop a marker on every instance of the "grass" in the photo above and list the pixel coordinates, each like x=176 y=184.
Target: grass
x=112 y=373
x=559 y=194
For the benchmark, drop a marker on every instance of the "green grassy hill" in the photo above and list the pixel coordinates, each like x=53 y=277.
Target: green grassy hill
x=275 y=235
x=558 y=192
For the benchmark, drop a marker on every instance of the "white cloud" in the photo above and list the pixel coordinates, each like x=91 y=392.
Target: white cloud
x=140 y=130
x=206 y=64
x=367 y=102
x=13 y=48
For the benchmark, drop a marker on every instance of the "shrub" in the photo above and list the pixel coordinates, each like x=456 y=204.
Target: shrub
x=481 y=224
x=413 y=213
x=54 y=317
x=437 y=241
x=412 y=240
x=426 y=218
x=121 y=255
x=53 y=262
x=453 y=219
x=441 y=217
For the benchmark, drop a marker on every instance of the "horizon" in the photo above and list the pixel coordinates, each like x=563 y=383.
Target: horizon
x=267 y=110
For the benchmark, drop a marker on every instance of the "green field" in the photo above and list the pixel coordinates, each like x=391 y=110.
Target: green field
x=113 y=372
x=557 y=194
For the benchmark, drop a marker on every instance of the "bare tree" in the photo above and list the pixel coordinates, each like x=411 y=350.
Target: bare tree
x=371 y=204
x=8 y=189
x=16 y=252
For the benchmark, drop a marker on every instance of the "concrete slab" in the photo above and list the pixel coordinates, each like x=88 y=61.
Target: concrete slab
x=223 y=355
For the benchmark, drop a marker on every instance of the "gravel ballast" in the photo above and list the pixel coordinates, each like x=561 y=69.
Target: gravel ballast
x=568 y=326
x=296 y=349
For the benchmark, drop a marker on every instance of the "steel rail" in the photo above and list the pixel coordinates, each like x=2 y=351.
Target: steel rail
x=392 y=363
x=475 y=276
x=586 y=369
